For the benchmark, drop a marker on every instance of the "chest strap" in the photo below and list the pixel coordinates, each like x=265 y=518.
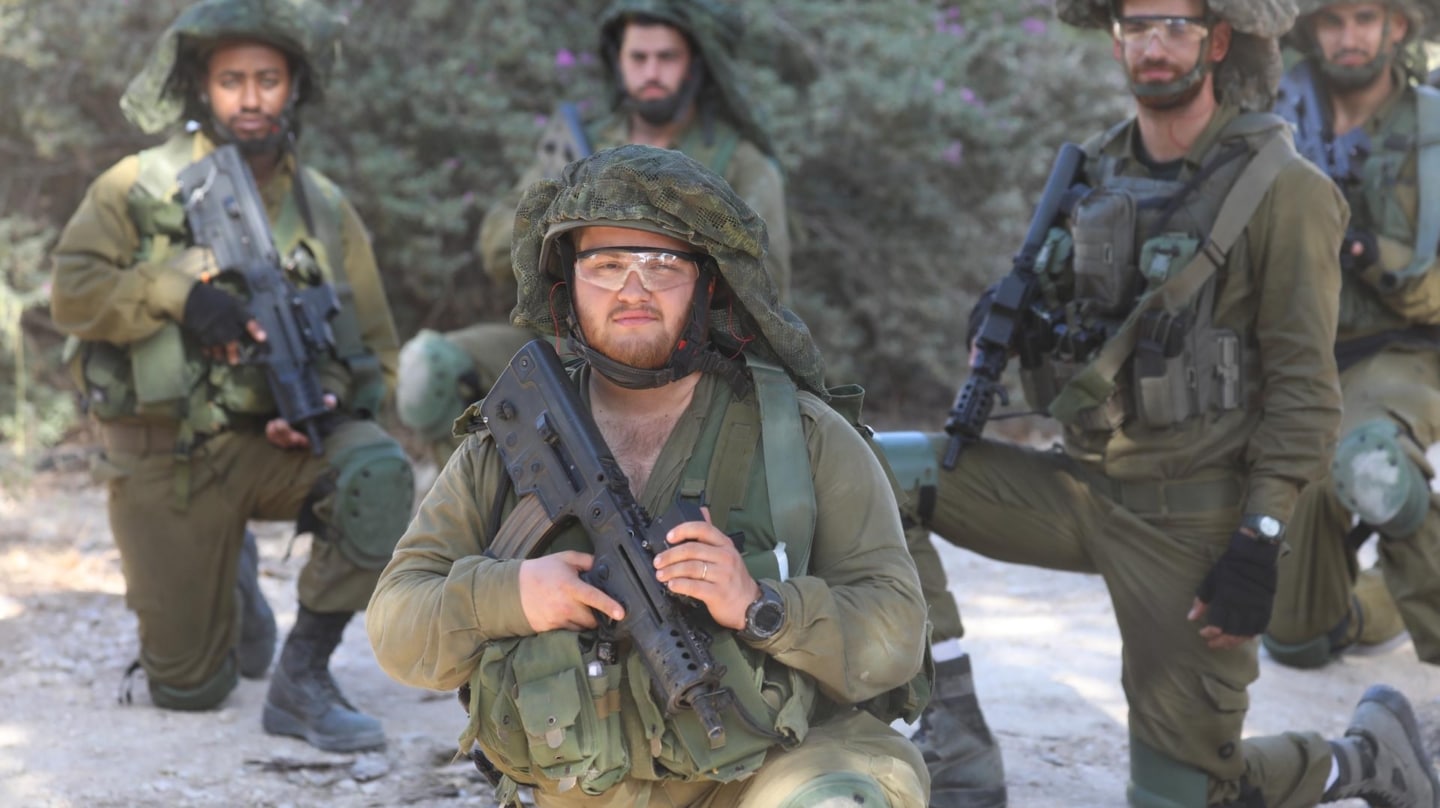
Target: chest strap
x=1427 y=222
x=1094 y=385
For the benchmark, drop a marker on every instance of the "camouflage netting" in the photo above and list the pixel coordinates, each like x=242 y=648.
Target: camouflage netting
x=1250 y=73
x=717 y=29
x=665 y=192
x=158 y=96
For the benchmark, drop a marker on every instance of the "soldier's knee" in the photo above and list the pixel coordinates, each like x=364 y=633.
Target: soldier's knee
x=1380 y=475
x=434 y=375
x=206 y=695
x=838 y=790
x=363 y=504
x=1159 y=781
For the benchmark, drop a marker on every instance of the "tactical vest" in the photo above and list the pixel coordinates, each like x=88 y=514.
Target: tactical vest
x=546 y=707
x=1128 y=236
x=165 y=375
x=1377 y=206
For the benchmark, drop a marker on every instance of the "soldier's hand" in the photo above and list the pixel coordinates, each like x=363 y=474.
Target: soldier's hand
x=703 y=563
x=219 y=322
x=282 y=434
x=1359 y=250
x=554 y=597
x=1238 y=594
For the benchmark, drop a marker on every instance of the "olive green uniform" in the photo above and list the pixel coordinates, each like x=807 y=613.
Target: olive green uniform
x=1152 y=508
x=178 y=513
x=1397 y=383
x=853 y=628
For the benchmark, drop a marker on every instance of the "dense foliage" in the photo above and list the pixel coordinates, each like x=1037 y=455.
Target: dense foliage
x=913 y=135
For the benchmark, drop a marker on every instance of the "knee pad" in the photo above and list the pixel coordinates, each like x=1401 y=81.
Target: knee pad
x=1379 y=478
x=428 y=391
x=205 y=696
x=1307 y=655
x=1158 y=781
x=838 y=790
x=372 y=493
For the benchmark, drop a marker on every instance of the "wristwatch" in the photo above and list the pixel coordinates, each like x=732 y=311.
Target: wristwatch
x=765 y=616
x=1267 y=528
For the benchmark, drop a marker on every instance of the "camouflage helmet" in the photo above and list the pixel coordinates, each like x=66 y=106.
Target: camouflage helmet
x=662 y=191
x=164 y=92
x=1250 y=72
x=716 y=29
x=1424 y=16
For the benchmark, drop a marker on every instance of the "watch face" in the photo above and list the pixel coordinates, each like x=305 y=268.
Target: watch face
x=767 y=618
x=1269 y=527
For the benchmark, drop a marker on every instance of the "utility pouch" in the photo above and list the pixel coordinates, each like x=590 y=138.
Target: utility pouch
x=1054 y=266
x=1165 y=382
x=769 y=706
x=1104 y=232
x=103 y=373
x=545 y=709
x=1164 y=255
x=1229 y=370
x=162 y=376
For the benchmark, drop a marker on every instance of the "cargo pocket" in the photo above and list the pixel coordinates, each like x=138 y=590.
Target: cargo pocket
x=1104 y=249
x=494 y=715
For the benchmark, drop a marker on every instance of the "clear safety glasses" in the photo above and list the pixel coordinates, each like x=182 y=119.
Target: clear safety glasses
x=1173 y=33
x=659 y=269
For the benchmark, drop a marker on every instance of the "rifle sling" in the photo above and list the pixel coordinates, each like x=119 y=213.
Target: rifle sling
x=1427 y=222
x=1096 y=382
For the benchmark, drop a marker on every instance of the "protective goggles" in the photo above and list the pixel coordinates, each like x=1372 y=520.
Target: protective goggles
x=659 y=269
x=1173 y=33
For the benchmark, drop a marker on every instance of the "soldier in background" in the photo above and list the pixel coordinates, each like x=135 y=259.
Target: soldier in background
x=1363 y=115
x=193 y=443
x=676 y=85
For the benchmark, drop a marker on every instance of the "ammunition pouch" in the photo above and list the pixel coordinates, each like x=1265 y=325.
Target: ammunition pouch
x=1104 y=227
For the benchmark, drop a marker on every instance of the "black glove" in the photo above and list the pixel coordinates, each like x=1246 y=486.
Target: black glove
x=1369 y=251
x=1240 y=589
x=214 y=316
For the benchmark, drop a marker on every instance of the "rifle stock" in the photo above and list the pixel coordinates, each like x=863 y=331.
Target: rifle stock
x=1004 y=323
x=224 y=211
x=553 y=450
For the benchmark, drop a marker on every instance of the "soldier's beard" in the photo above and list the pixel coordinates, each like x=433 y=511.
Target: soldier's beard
x=662 y=111
x=1348 y=78
x=268 y=144
x=630 y=349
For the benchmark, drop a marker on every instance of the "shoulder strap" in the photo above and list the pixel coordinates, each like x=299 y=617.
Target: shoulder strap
x=788 y=475
x=160 y=165
x=1427 y=222
x=1094 y=385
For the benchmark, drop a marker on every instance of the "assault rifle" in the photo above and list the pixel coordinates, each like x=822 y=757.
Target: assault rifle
x=1004 y=325
x=224 y=211
x=563 y=141
x=1299 y=102
x=564 y=473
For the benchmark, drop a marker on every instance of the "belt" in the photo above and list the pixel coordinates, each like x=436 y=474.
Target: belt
x=139 y=438
x=1165 y=497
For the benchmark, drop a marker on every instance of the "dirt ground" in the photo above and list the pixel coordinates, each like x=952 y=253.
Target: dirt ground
x=1045 y=648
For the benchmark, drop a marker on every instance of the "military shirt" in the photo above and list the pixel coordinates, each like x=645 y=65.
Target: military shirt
x=1278 y=289
x=100 y=292
x=751 y=173
x=855 y=620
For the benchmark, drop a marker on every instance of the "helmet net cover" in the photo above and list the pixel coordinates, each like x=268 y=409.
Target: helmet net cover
x=666 y=192
x=1424 y=16
x=1250 y=72
x=157 y=97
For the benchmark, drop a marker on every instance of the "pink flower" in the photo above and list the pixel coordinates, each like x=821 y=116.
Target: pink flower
x=564 y=59
x=954 y=154
x=1033 y=26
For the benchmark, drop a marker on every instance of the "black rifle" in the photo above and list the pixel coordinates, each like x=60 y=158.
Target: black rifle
x=1005 y=324
x=1299 y=102
x=224 y=211
x=553 y=449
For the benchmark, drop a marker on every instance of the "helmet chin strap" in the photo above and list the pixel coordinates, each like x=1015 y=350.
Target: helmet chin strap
x=282 y=137
x=1181 y=87
x=1355 y=77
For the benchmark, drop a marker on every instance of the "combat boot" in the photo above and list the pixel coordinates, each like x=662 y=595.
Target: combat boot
x=966 y=770
x=257 y=622
x=304 y=701
x=1381 y=759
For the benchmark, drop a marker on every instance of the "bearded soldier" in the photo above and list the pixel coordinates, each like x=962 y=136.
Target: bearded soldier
x=1189 y=308
x=676 y=85
x=1362 y=114
x=193 y=442
x=699 y=381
